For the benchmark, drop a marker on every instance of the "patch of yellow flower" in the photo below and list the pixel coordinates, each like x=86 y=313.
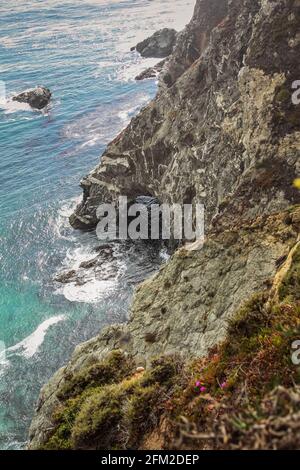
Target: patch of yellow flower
x=297 y=183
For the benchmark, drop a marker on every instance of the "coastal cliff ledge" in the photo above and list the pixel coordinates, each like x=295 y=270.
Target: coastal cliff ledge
x=222 y=131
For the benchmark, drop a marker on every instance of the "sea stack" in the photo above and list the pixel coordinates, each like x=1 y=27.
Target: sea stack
x=37 y=98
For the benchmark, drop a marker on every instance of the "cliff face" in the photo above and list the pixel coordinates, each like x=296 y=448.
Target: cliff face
x=100 y=400
x=222 y=131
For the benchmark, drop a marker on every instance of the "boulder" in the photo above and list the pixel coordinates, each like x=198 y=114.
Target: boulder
x=160 y=44
x=37 y=98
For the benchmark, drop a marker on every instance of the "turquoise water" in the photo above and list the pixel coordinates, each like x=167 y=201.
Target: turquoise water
x=80 y=50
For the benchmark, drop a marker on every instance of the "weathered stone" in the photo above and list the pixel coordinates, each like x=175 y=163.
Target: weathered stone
x=37 y=98
x=186 y=307
x=212 y=136
x=66 y=277
x=160 y=44
x=89 y=264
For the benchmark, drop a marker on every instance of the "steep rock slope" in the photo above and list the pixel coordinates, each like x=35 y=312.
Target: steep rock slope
x=100 y=400
x=222 y=131
x=225 y=130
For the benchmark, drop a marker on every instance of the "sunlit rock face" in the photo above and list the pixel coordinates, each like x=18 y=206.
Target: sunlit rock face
x=222 y=130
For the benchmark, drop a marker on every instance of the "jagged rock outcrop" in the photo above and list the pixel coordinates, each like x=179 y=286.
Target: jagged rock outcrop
x=222 y=131
x=159 y=45
x=37 y=98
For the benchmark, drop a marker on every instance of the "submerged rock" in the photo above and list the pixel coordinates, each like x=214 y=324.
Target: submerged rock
x=66 y=277
x=160 y=44
x=37 y=98
x=151 y=72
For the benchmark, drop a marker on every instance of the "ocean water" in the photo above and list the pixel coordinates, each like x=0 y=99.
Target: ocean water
x=80 y=50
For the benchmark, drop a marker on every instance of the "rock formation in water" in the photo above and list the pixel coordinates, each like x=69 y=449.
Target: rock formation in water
x=222 y=131
x=159 y=45
x=151 y=72
x=37 y=98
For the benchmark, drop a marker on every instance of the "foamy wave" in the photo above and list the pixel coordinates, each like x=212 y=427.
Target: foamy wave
x=91 y=292
x=9 y=106
x=30 y=345
x=60 y=224
x=128 y=72
x=76 y=256
x=3 y=360
x=94 y=284
x=103 y=124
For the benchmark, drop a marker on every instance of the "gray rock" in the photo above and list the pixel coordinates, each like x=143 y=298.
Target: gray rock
x=160 y=44
x=151 y=72
x=219 y=134
x=66 y=277
x=37 y=98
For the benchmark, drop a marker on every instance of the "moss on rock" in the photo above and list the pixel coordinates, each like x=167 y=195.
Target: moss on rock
x=116 y=367
x=105 y=415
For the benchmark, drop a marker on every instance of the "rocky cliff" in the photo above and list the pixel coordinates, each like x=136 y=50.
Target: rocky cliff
x=222 y=128
x=222 y=131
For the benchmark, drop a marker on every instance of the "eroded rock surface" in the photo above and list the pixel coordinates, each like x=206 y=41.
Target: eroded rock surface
x=159 y=45
x=222 y=130
x=37 y=98
x=186 y=307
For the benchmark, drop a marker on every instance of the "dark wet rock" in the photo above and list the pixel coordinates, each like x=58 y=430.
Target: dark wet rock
x=106 y=249
x=160 y=44
x=66 y=277
x=89 y=264
x=147 y=201
x=102 y=266
x=37 y=98
x=151 y=72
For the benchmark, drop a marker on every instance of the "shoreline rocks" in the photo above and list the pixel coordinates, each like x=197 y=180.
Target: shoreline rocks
x=37 y=98
x=159 y=45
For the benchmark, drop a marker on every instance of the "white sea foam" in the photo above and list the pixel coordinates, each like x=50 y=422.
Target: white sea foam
x=3 y=360
x=96 y=284
x=60 y=224
x=91 y=292
x=103 y=124
x=127 y=72
x=9 y=106
x=164 y=255
x=30 y=345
